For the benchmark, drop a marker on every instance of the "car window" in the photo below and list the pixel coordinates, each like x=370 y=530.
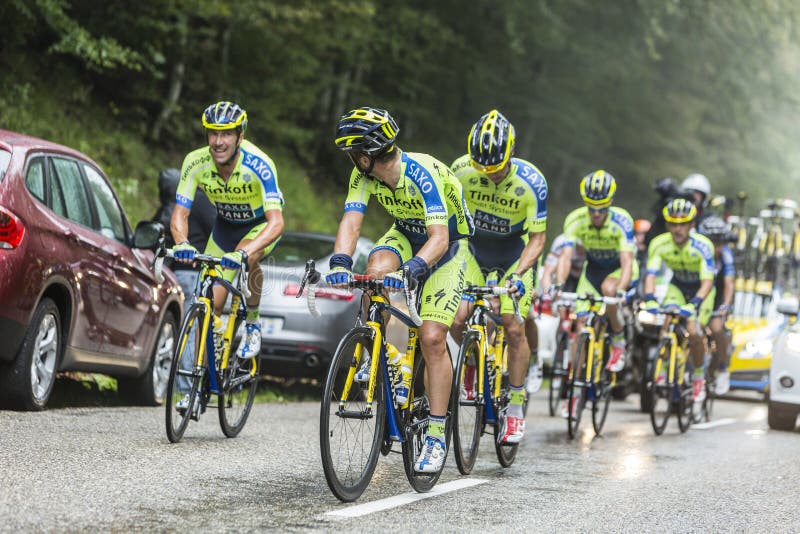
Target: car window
x=108 y=211
x=57 y=203
x=34 y=179
x=5 y=159
x=295 y=250
x=68 y=174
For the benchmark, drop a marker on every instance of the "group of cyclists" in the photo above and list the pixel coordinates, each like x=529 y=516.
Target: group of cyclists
x=481 y=220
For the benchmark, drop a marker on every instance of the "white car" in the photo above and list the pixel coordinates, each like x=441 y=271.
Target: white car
x=784 y=375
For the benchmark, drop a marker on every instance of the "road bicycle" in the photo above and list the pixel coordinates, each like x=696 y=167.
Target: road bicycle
x=480 y=381
x=704 y=411
x=361 y=419
x=670 y=390
x=203 y=366
x=588 y=379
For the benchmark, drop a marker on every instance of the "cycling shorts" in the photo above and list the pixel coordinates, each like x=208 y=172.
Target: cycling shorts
x=677 y=297
x=592 y=278
x=229 y=242
x=442 y=287
x=477 y=276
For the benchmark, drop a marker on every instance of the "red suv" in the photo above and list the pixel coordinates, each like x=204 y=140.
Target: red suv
x=76 y=286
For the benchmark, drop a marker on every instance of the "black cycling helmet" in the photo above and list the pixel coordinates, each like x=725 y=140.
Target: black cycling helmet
x=714 y=228
x=371 y=131
x=665 y=187
x=491 y=142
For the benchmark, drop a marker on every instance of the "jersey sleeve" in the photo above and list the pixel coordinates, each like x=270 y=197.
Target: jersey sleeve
x=654 y=260
x=187 y=186
x=571 y=225
x=264 y=168
x=536 y=219
x=707 y=267
x=623 y=220
x=728 y=268
x=431 y=187
x=357 y=193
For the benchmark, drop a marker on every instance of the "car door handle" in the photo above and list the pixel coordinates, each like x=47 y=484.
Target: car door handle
x=72 y=238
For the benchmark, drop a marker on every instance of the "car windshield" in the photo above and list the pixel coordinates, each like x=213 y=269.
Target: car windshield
x=294 y=250
x=5 y=158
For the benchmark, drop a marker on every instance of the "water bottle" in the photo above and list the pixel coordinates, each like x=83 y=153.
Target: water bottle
x=401 y=371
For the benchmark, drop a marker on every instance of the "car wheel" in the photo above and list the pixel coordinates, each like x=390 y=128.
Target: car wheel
x=779 y=418
x=150 y=389
x=28 y=381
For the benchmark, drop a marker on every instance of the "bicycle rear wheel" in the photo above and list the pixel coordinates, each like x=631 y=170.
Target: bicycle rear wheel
x=660 y=394
x=467 y=412
x=350 y=434
x=184 y=384
x=414 y=425
x=557 y=374
x=240 y=383
x=602 y=395
x=577 y=388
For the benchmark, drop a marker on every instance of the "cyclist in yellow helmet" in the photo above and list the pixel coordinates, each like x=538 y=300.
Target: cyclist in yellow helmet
x=430 y=222
x=507 y=197
x=242 y=183
x=606 y=233
x=690 y=256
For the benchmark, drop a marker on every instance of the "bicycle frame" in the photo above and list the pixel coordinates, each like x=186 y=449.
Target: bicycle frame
x=477 y=322
x=594 y=329
x=676 y=363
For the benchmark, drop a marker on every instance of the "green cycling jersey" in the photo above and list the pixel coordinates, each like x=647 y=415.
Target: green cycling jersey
x=250 y=192
x=690 y=264
x=603 y=245
x=427 y=193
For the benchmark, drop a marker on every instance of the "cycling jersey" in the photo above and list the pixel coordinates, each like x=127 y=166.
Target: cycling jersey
x=603 y=245
x=249 y=193
x=504 y=213
x=724 y=267
x=427 y=193
x=690 y=264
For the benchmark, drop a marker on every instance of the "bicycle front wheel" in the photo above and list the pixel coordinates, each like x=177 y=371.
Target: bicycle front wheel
x=467 y=407
x=183 y=388
x=602 y=391
x=684 y=406
x=239 y=386
x=557 y=373
x=577 y=388
x=350 y=431
x=661 y=395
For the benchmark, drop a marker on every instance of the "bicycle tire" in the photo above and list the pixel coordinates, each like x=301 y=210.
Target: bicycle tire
x=577 y=391
x=602 y=397
x=468 y=414
x=414 y=429
x=235 y=402
x=183 y=380
x=661 y=405
x=684 y=407
x=558 y=374
x=347 y=476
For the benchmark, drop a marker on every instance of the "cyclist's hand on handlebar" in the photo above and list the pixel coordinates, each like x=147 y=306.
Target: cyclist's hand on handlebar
x=687 y=310
x=622 y=295
x=651 y=304
x=723 y=310
x=394 y=281
x=232 y=260
x=555 y=290
x=184 y=252
x=515 y=284
x=339 y=276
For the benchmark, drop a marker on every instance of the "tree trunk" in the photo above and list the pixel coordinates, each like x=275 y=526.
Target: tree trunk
x=176 y=77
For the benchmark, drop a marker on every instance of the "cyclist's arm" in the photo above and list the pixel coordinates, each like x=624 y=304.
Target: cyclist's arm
x=268 y=234
x=564 y=264
x=548 y=270
x=626 y=270
x=179 y=224
x=705 y=289
x=728 y=291
x=531 y=252
x=649 y=284
x=349 y=230
x=654 y=262
x=438 y=241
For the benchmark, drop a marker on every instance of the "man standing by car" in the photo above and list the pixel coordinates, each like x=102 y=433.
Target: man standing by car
x=242 y=182
x=507 y=197
x=431 y=220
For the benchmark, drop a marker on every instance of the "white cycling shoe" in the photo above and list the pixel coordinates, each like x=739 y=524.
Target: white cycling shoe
x=250 y=346
x=534 y=382
x=431 y=457
x=723 y=383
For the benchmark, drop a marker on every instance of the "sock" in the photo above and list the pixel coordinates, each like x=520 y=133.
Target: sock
x=252 y=316
x=618 y=338
x=436 y=425
x=516 y=397
x=699 y=373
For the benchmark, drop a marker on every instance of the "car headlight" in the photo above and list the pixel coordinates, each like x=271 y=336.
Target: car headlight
x=792 y=342
x=756 y=349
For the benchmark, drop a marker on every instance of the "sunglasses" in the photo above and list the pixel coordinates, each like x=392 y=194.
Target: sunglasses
x=598 y=210
x=488 y=169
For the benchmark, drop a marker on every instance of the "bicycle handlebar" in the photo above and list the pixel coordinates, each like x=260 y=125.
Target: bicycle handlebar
x=482 y=291
x=162 y=253
x=312 y=277
x=569 y=298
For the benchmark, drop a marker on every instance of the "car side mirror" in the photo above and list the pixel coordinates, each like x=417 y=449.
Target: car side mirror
x=147 y=235
x=789 y=306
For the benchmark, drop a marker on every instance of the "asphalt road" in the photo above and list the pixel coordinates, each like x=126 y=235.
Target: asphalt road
x=113 y=469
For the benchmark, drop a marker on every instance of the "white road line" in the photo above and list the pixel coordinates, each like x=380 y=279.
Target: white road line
x=406 y=498
x=712 y=424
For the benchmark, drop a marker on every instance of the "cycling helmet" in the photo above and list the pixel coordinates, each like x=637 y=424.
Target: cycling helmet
x=714 y=228
x=641 y=226
x=665 y=187
x=371 y=131
x=490 y=142
x=679 y=211
x=224 y=116
x=598 y=188
x=697 y=182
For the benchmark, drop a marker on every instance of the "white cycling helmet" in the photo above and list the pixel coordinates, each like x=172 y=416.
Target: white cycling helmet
x=697 y=182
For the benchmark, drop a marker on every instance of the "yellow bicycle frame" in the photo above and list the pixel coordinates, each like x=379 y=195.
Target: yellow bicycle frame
x=676 y=362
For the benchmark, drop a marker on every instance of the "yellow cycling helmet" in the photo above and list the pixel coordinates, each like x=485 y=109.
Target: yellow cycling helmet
x=224 y=116
x=598 y=188
x=679 y=210
x=490 y=142
x=371 y=131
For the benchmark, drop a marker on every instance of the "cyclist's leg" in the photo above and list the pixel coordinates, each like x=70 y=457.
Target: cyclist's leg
x=518 y=348
x=472 y=275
